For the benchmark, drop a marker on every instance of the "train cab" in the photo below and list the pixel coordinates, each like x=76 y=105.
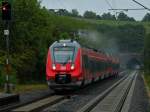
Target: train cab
x=63 y=67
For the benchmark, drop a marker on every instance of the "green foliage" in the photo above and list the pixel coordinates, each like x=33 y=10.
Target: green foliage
x=63 y=12
x=147 y=54
x=128 y=38
x=108 y=16
x=146 y=17
x=64 y=35
x=2 y=80
x=33 y=29
x=12 y=77
x=123 y=17
x=89 y=14
x=75 y=13
x=92 y=15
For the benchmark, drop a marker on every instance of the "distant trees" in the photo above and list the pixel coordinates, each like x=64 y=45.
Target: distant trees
x=92 y=15
x=146 y=18
x=123 y=17
x=89 y=15
x=63 y=12
x=128 y=37
x=74 y=13
x=108 y=16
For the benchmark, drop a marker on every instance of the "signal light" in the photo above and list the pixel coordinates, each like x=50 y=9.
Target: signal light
x=6 y=10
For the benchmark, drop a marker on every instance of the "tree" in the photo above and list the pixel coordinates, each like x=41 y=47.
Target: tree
x=52 y=10
x=108 y=16
x=123 y=17
x=74 y=13
x=33 y=29
x=146 y=17
x=131 y=19
x=63 y=12
x=98 y=17
x=89 y=14
x=147 y=54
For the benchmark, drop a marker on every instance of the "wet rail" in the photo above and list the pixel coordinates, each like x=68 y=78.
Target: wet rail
x=112 y=99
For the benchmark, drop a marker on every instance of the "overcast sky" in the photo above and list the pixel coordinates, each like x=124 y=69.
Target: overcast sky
x=98 y=6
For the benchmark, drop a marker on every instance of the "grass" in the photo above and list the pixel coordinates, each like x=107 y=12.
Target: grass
x=27 y=88
x=147 y=82
x=147 y=26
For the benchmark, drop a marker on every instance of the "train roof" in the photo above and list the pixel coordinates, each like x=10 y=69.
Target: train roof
x=68 y=42
x=71 y=42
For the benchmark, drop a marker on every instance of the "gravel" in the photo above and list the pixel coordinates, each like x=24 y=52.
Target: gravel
x=35 y=95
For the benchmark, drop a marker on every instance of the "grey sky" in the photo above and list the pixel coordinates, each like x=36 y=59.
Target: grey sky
x=98 y=6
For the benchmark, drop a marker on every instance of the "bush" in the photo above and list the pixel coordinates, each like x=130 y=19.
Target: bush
x=12 y=77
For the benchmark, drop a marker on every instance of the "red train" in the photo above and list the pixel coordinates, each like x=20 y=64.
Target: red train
x=69 y=65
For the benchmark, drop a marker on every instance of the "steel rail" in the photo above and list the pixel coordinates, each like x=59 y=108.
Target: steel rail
x=92 y=104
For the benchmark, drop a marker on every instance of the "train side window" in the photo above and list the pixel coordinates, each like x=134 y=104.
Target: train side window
x=92 y=66
x=99 y=66
x=105 y=65
x=85 y=61
x=102 y=65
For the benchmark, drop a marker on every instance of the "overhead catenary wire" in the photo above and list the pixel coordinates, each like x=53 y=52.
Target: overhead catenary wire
x=111 y=7
x=141 y=5
x=128 y=9
x=109 y=4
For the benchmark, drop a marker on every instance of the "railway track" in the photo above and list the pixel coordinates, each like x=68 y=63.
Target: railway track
x=114 y=98
x=29 y=99
x=37 y=106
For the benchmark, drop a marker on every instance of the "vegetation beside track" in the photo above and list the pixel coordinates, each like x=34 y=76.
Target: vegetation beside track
x=147 y=83
x=27 y=88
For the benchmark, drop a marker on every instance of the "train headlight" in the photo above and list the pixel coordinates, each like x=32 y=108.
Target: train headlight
x=72 y=67
x=54 y=67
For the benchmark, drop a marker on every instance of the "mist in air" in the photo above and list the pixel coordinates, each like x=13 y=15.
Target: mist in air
x=99 y=41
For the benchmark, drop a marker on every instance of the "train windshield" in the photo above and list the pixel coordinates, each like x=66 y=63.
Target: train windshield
x=63 y=54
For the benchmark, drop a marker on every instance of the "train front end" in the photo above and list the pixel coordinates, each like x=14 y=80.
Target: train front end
x=63 y=68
